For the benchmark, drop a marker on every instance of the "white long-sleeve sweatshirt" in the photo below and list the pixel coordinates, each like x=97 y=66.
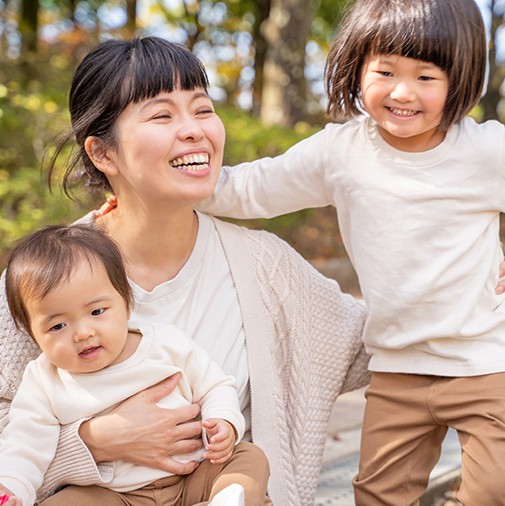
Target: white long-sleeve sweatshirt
x=303 y=340
x=49 y=397
x=420 y=228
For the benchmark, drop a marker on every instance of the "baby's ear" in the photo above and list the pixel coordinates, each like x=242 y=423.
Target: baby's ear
x=99 y=153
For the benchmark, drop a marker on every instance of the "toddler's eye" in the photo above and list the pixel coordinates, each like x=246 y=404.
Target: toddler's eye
x=98 y=312
x=58 y=326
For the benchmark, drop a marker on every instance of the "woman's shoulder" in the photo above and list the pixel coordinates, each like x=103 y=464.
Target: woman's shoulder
x=243 y=237
x=270 y=254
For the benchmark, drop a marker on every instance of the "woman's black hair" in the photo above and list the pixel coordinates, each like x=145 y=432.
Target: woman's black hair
x=111 y=76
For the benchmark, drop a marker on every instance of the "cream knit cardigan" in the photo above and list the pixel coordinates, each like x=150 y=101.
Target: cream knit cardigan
x=303 y=338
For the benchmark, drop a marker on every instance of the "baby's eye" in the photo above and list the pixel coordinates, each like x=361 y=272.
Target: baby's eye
x=57 y=327
x=98 y=312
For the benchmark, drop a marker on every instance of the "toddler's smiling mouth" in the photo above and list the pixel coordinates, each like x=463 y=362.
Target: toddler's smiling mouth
x=405 y=113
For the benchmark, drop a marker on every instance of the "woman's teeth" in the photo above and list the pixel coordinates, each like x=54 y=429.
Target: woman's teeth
x=196 y=162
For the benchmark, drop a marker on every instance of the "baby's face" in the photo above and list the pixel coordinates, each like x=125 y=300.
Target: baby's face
x=82 y=324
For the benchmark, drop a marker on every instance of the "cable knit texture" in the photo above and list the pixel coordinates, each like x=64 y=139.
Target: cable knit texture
x=303 y=338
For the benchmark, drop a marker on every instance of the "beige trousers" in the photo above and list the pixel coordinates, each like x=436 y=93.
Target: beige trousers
x=406 y=419
x=248 y=466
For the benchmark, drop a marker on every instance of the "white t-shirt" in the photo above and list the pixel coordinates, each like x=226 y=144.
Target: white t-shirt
x=202 y=301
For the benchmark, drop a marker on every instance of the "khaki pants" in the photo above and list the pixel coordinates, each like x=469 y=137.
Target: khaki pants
x=248 y=466
x=406 y=419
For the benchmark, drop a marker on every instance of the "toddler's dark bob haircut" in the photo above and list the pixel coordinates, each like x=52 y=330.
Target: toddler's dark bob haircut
x=109 y=78
x=447 y=33
x=41 y=261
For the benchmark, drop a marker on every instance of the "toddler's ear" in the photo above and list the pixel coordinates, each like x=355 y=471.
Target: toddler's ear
x=99 y=153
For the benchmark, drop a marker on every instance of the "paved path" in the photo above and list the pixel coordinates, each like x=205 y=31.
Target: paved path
x=340 y=461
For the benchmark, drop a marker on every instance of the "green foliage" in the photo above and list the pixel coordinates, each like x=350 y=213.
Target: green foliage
x=26 y=205
x=248 y=139
x=31 y=113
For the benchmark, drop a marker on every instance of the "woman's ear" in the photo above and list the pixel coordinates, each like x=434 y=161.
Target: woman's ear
x=98 y=153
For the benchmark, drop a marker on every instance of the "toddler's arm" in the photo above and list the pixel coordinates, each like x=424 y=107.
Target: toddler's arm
x=273 y=186
x=222 y=437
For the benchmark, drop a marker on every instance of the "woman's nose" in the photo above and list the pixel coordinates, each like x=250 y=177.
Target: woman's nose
x=190 y=129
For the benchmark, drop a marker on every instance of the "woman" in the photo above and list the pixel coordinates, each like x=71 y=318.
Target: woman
x=146 y=130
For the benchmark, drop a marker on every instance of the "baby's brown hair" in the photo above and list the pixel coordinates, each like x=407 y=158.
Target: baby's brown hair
x=41 y=261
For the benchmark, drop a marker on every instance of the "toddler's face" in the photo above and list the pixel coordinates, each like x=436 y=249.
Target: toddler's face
x=406 y=97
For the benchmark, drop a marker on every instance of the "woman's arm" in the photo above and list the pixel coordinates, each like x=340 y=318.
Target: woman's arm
x=140 y=432
x=136 y=431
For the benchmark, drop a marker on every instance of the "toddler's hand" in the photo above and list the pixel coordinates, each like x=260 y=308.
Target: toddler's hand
x=221 y=436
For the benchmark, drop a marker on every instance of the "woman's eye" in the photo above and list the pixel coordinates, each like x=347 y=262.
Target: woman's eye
x=162 y=115
x=98 y=312
x=58 y=326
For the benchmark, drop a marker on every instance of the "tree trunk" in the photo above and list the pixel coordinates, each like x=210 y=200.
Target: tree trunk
x=131 y=18
x=260 y=53
x=28 y=25
x=284 y=90
x=491 y=99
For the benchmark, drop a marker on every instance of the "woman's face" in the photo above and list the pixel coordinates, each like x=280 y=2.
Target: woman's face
x=169 y=149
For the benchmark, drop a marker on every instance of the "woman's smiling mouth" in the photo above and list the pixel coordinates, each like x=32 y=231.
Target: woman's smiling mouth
x=194 y=162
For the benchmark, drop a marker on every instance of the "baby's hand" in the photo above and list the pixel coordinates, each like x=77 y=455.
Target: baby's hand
x=222 y=437
x=8 y=498
x=500 y=286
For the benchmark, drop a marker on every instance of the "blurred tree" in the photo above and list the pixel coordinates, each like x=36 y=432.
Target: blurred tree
x=284 y=87
x=131 y=18
x=260 y=53
x=28 y=25
x=490 y=102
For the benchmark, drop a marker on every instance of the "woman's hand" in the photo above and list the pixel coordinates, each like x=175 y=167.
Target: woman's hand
x=140 y=432
x=500 y=286
x=222 y=437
